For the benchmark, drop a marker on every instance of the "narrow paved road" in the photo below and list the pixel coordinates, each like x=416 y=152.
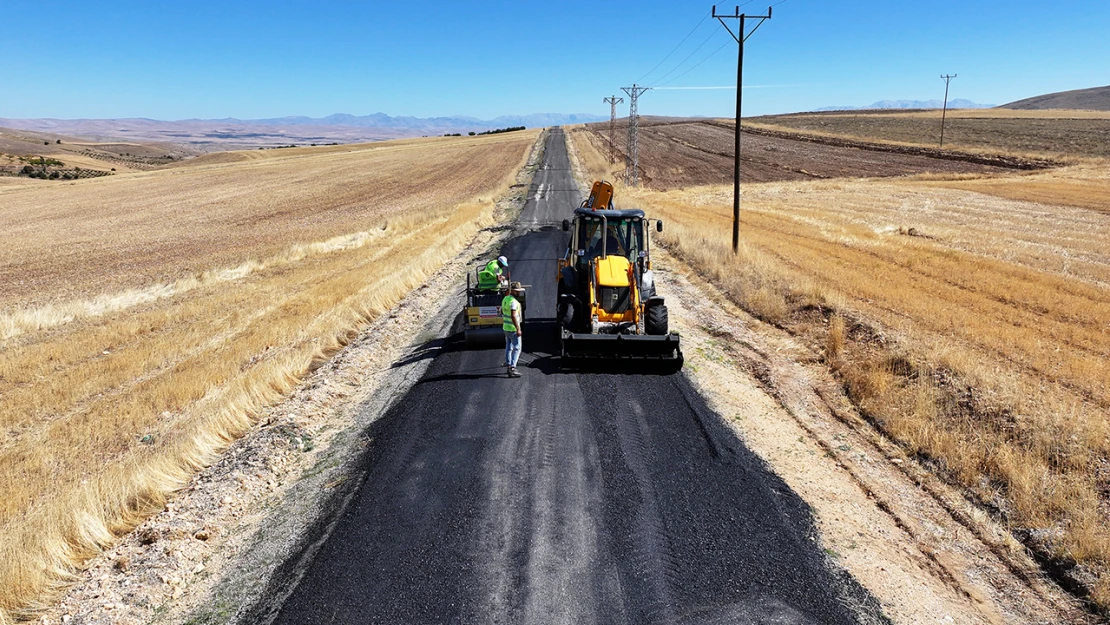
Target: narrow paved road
x=563 y=496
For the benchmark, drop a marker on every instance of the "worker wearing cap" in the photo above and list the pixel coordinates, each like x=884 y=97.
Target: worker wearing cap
x=493 y=275
x=512 y=323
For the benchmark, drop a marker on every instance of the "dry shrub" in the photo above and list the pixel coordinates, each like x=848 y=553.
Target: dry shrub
x=835 y=339
x=766 y=303
x=869 y=382
x=1100 y=592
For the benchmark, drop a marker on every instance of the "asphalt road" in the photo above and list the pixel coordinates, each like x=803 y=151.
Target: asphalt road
x=562 y=496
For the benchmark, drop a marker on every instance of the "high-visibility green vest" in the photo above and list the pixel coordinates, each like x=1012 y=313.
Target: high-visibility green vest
x=507 y=306
x=487 y=278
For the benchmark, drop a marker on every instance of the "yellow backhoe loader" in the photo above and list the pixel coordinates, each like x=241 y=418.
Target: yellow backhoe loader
x=607 y=306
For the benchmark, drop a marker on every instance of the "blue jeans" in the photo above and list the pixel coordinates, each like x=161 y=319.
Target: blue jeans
x=512 y=348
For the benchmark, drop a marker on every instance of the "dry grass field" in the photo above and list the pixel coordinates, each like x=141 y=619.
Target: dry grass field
x=967 y=316
x=146 y=318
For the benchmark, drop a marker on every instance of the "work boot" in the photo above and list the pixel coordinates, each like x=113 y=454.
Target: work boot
x=513 y=373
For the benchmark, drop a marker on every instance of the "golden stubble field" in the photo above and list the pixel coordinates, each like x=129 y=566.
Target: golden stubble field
x=967 y=316
x=146 y=318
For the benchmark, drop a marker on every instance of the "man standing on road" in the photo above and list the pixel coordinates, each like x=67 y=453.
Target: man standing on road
x=512 y=323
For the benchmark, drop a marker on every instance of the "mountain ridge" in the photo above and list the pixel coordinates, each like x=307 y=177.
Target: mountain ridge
x=958 y=103
x=1092 y=99
x=376 y=120
x=234 y=133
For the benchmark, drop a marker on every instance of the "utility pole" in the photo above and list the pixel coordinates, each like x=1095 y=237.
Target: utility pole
x=612 y=102
x=740 y=36
x=634 y=93
x=947 y=79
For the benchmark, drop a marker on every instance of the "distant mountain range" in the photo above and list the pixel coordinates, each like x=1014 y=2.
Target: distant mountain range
x=911 y=104
x=219 y=134
x=1094 y=99
x=381 y=120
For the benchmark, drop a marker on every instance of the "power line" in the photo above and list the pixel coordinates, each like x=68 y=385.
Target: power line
x=711 y=55
x=675 y=49
x=634 y=93
x=740 y=37
x=683 y=61
x=612 y=102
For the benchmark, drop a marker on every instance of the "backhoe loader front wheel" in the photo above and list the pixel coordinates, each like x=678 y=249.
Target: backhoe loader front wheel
x=566 y=314
x=656 y=321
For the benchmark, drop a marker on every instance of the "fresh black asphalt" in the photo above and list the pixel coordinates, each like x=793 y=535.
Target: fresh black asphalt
x=562 y=496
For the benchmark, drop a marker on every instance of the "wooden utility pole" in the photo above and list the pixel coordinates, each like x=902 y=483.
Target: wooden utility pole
x=944 y=111
x=740 y=36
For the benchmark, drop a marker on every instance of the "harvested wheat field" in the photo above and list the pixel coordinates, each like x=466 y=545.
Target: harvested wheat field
x=145 y=318
x=967 y=316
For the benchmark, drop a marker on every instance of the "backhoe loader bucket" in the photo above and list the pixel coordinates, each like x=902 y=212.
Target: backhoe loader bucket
x=622 y=346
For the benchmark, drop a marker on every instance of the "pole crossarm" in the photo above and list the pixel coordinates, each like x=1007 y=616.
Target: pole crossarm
x=743 y=17
x=740 y=36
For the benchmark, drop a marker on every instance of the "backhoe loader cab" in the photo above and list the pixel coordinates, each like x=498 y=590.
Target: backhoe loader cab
x=608 y=306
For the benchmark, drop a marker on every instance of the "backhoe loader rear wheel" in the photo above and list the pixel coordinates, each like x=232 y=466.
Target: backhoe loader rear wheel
x=656 y=321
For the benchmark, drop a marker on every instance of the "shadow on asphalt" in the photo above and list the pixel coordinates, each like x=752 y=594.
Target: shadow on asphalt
x=431 y=349
x=541 y=353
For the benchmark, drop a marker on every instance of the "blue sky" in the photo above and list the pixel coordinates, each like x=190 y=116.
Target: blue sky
x=207 y=59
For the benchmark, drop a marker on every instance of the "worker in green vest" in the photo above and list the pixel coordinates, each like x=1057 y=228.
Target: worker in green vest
x=512 y=322
x=492 y=275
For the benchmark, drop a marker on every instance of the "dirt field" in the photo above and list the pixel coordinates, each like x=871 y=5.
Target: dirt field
x=966 y=316
x=146 y=318
x=1066 y=134
x=679 y=154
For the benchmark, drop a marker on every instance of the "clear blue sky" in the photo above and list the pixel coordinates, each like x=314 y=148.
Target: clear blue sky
x=267 y=59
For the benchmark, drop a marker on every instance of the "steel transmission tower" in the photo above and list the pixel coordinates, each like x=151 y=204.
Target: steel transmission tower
x=741 y=35
x=947 y=79
x=634 y=93
x=612 y=102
